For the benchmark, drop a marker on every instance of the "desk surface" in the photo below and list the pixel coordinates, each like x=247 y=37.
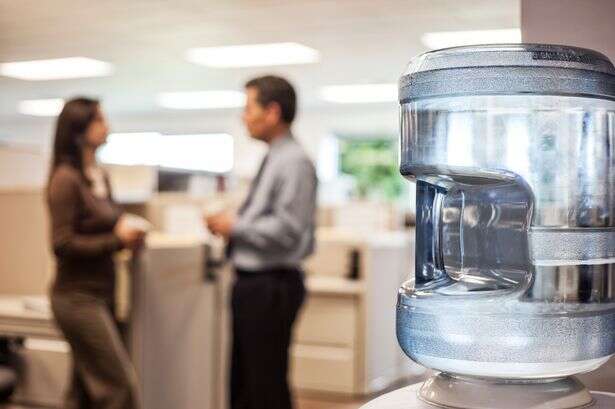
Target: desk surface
x=383 y=238
x=34 y=307
x=333 y=285
x=26 y=316
x=406 y=398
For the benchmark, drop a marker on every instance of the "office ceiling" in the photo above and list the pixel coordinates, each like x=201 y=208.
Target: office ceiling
x=360 y=41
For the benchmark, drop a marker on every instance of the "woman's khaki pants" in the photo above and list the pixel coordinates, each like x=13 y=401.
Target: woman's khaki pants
x=103 y=376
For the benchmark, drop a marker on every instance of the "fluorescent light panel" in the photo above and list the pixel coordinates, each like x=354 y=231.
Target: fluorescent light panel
x=197 y=152
x=255 y=55
x=41 y=107
x=359 y=93
x=445 y=39
x=56 y=69
x=201 y=99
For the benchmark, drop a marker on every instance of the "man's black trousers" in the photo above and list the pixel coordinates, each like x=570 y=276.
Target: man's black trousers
x=264 y=305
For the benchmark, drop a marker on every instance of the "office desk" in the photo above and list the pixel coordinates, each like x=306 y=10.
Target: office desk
x=43 y=360
x=345 y=335
x=18 y=321
x=173 y=331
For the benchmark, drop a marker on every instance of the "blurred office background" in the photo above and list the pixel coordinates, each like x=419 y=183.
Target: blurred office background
x=174 y=96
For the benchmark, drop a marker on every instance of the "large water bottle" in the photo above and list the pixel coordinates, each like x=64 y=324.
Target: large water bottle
x=513 y=151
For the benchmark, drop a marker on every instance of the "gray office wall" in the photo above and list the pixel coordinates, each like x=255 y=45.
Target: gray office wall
x=583 y=23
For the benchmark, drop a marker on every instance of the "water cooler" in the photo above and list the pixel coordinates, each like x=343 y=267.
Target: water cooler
x=512 y=148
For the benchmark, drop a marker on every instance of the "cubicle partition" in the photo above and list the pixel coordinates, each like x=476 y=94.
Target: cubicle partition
x=166 y=294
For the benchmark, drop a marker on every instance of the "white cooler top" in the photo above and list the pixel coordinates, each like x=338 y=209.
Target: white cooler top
x=406 y=398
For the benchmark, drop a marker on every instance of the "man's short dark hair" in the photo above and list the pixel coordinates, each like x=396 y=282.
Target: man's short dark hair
x=276 y=89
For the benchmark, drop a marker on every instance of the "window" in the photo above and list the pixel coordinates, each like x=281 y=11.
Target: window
x=373 y=163
x=198 y=152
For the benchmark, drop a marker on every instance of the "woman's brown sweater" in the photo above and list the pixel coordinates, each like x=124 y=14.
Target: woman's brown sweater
x=82 y=233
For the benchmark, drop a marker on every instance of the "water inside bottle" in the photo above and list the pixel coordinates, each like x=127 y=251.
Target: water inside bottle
x=472 y=233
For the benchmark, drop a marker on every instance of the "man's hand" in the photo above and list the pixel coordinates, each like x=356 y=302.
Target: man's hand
x=221 y=224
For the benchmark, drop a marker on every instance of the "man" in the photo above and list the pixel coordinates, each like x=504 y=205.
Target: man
x=268 y=239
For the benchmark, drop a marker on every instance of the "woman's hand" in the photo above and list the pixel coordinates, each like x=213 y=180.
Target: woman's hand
x=131 y=237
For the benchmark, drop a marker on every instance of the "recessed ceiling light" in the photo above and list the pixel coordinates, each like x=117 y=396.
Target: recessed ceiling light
x=41 y=107
x=56 y=69
x=255 y=55
x=445 y=39
x=359 y=93
x=201 y=99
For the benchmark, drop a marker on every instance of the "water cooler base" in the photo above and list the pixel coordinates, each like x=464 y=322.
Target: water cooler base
x=407 y=398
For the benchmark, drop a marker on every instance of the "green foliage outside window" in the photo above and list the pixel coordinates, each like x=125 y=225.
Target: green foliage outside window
x=374 y=165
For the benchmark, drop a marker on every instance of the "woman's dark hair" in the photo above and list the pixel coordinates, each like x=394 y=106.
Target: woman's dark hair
x=276 y=89
x=72 y=124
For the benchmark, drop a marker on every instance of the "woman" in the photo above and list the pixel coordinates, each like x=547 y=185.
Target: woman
x=87 y=229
